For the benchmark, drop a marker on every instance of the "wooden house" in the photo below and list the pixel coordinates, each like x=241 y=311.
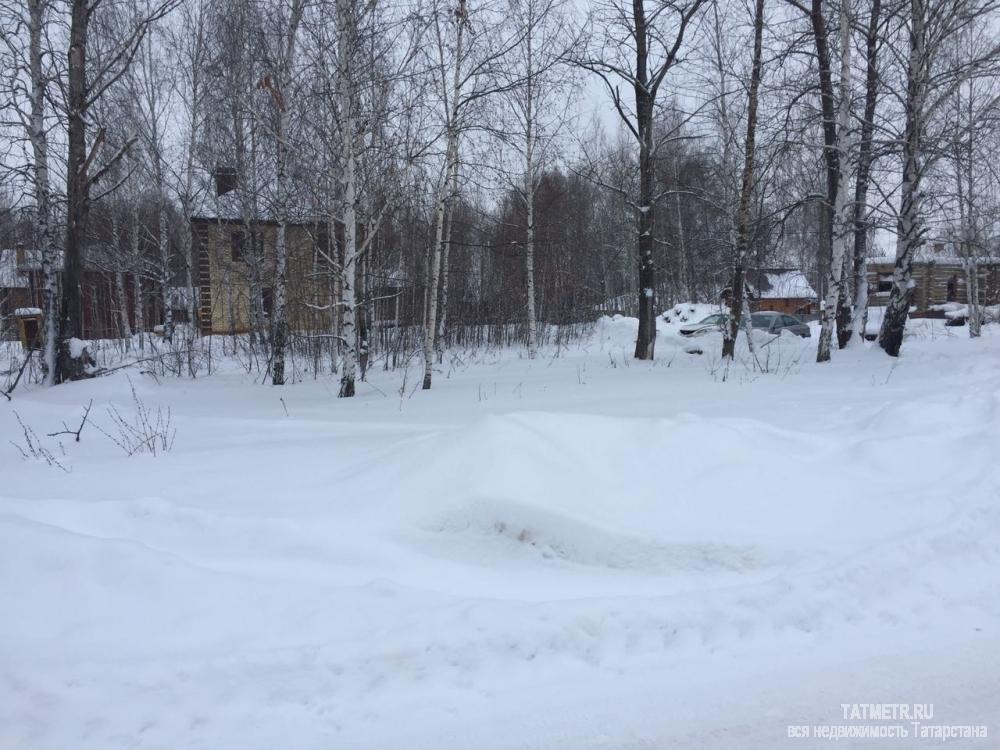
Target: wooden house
x=785 y=290
x=939 y=277
x=14 y=291
x=103 y=305
x=236 y=263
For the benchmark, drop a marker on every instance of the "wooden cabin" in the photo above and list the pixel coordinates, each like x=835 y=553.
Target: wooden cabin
x=103 y=304
x=784 y=290
x=236 y=263
x=937 y=280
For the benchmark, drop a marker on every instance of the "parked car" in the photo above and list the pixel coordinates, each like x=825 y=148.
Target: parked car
x=774 y=322
x=705 y=325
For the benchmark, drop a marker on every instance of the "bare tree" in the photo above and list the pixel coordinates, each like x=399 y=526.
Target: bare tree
x=84 y=87
x=930 y=82
x=279 y=85
x=862 y=176
x=654 y=37
x=746 y=187
x=37 y=130
x=537 y=103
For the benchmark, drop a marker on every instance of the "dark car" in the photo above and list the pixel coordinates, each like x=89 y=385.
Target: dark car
x=774 y=322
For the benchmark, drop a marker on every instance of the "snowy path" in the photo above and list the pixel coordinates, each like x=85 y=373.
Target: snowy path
x=572 y=553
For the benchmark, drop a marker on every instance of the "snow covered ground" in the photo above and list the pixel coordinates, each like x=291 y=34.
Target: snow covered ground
x=578 y=552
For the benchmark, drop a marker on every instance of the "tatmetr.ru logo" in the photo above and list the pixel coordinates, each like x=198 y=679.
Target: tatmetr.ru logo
x=887 y=711
x=888 y=721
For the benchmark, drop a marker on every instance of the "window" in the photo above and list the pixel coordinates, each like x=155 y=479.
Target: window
x=237 y=242
x=884 y=283
x=267 y=300
x=952 y=289
x=788 y=320
x=321 y=242
x=239 y=246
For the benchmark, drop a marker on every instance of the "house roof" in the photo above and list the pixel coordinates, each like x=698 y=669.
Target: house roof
x=779 y=283
x=944 y=251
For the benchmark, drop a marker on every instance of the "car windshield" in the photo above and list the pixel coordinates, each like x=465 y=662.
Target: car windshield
x=761 y=321
x=717 y=318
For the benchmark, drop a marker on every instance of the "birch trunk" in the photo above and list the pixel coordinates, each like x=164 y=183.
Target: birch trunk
x=434 y=271
x=279 y=324
x=746 y=188
x=136 y=248
x=345 y=85
x=451 y=163
x=529 y=196
x=529 y=267
x=43 y=191
x=863 y=174
x=439 y=340
x=909 y=228
x=163 y=240
x=836 y=305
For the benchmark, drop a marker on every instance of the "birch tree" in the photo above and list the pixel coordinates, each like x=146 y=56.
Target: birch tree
x=638 y=47
x=279 y=85
x=38 y=134
x=537 y=103
x=835 y=112
x=189 y=41
x=149 y=91
x=972 y=116
x=933 y=26
x=746 y=186
x=84 y=86
x=862 y=175
x=451 y=102
x=467 y=62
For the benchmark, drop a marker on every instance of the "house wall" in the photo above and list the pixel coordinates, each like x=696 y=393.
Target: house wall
x=11 y=298
x=932 y=283
x=226 y=282
x=101 y=313
x=789 y=305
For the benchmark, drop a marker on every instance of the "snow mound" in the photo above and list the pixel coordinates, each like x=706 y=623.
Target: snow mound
x=958 y=313
x=689 y=312
x=491 y=530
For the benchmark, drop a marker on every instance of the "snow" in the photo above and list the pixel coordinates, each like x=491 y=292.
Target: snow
x=787 y=284
x=77 y=347
x=958 y=311
x=23 y=312
x=688 y=312
x=579 y=551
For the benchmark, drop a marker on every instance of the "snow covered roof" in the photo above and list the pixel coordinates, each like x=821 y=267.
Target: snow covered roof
x=779 y=283
x=941 y=251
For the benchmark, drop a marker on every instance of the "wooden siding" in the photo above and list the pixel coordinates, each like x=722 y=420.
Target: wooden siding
x=932 y=281
x=225 y=282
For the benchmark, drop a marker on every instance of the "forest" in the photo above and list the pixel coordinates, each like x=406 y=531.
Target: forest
x=404 y=177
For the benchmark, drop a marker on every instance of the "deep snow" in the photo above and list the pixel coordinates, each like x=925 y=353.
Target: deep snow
x=582 y=551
